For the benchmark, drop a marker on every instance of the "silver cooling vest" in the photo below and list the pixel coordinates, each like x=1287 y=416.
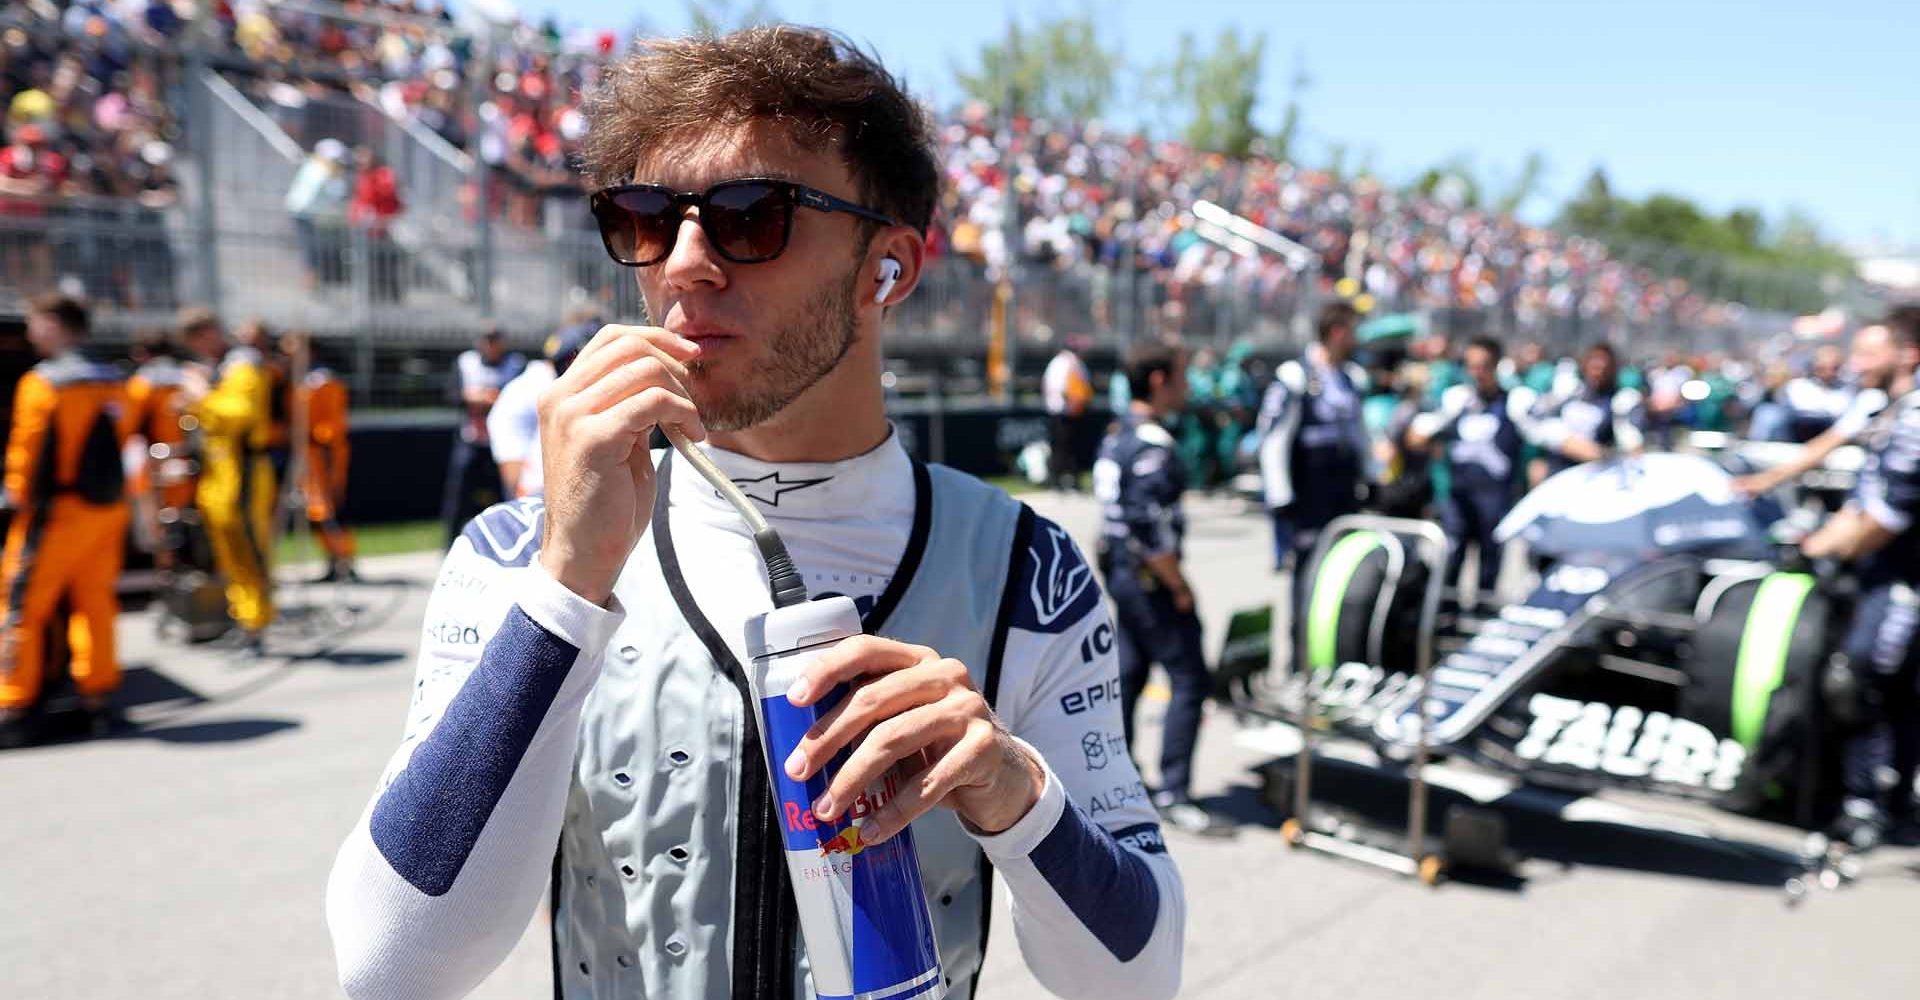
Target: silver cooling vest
x=669 y=881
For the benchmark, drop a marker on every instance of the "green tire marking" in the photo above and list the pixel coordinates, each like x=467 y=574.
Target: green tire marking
x=1329 y=588
x=1764 y=642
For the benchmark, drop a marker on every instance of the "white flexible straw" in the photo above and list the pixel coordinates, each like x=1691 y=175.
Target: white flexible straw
x=712 y=474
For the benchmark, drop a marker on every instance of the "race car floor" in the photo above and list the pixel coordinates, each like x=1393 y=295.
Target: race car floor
x=188 y=858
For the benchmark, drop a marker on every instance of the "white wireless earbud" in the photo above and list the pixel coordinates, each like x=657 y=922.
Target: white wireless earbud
x=889 y=273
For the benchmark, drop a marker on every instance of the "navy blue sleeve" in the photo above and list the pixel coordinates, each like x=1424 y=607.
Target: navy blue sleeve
x=427 y=821
x=1105 y=885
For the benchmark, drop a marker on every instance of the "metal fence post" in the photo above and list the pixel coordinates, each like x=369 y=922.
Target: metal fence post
x=201 y=126
x=359 y=275
x=483 y=251
x=479 y=66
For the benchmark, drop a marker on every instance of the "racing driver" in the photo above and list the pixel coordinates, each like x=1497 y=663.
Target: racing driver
x=580 y=679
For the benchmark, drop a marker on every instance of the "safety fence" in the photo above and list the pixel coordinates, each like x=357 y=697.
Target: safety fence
x=381 y=296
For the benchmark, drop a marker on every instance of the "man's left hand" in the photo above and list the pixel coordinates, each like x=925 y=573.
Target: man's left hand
x=913 y=706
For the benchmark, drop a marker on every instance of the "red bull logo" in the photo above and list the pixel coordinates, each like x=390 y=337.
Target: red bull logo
x=845 y=842
x=799 y=817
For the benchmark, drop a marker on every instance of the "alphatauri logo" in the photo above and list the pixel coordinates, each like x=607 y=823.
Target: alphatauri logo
x=1060 y=576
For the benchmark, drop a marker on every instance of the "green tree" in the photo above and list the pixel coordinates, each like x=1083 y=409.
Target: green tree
x=1524 y=186
x=1217 y=90
x=1739 y=255
x=1057 y=69
x=1747 y=227
x=1669 y=219
x=1593 y=211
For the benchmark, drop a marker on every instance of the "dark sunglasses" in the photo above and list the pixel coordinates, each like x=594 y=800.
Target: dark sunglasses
x=747 y=221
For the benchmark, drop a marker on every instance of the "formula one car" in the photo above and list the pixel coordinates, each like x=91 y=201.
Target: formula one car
x=1670 y=646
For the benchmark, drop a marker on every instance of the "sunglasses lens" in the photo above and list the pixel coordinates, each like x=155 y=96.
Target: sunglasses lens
x=748 y=222
x=638 y=226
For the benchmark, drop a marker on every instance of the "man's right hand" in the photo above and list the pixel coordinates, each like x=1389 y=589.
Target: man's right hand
x=1183 y=598
x=596 y=422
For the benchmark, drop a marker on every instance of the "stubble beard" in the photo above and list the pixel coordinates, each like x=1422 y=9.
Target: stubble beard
x=803 y=347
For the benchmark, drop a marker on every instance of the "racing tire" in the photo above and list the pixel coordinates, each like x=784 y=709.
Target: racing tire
x=1363 y=604
x=1754 y=678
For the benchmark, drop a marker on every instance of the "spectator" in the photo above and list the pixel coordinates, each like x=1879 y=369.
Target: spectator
x=473 y=481
x=30 y=175
x=318 y=202
x=31 y=169
x=376 y=203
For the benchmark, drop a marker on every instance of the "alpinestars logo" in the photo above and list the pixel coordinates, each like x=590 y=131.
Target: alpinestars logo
x=1060 y=576
x=768 y=489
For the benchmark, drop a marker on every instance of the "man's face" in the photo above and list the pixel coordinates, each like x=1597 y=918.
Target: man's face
x=1873 y=357
x=1826 y=364
x=45 y=334
x=1597 y=368
x=205 y=341
x=493 y=349
x=768 y=331
x=1482 y=369
x=1171 y=394
x=1340 y=340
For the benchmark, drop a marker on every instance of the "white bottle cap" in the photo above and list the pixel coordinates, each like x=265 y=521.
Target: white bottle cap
x=784 y=630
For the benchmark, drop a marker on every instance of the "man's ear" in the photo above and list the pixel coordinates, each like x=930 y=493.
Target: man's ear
x=908 y=249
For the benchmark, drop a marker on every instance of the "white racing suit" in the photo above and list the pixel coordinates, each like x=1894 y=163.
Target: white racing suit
x=621 y=734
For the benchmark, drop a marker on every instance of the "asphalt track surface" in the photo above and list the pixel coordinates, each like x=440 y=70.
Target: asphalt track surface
x=188 y=858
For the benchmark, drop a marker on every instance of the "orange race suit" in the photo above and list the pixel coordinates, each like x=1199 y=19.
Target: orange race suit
x=153 y=417
x=324 y=398
x=65 y=478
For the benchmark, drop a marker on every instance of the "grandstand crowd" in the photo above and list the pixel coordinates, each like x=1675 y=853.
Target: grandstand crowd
x=86 y=87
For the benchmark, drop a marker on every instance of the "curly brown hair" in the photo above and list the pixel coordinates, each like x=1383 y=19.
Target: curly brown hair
x=815 y=85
